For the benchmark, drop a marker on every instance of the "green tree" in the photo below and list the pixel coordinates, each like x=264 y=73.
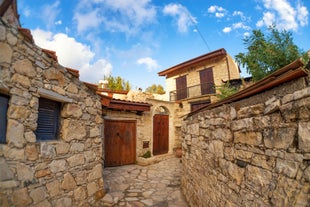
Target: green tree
x=155 y=89
x=225 y=90
x=267 y=53
x=117 y=83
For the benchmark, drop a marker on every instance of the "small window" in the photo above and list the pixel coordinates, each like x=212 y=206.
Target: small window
x=4 y=103
x=48 y=120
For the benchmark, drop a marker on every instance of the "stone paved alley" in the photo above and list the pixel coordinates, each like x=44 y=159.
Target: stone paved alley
x=156 y=185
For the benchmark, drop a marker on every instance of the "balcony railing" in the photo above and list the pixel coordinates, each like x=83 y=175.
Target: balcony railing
x=192 y=91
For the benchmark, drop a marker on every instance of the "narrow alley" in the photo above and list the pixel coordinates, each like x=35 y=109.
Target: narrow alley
x=156 y=185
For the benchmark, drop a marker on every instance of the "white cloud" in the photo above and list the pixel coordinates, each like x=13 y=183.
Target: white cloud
x=184 y=18
x=240 y=13
x=115 y=15
x=217 y=10
x=227 y=29
x=238 y=25
x=50 y=13
x=302 y=15
x=283 y=14
x=87 y=20
x=150 y=63
x=59 y=22
x=73 y=54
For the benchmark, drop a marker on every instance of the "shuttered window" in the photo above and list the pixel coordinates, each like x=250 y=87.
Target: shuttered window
x=181 y=86
x=4 y=101
x=48 y=120
x=207 y=81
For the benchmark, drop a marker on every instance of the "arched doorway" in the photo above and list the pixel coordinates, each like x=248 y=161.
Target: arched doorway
x=161 y=131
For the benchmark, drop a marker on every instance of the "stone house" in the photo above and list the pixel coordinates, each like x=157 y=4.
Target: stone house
x=50 y=128
x=192 y=84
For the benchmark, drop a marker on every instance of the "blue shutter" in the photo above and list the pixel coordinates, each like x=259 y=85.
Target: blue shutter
x=48 y=120
x=4 y=101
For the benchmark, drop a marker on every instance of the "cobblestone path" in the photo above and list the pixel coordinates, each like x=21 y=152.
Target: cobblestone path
x=156 y=185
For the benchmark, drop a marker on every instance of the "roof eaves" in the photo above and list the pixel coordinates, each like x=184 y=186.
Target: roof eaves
x=208 y=56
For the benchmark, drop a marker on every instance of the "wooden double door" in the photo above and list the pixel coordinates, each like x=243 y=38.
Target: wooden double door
x=119 y=142
x=160 y=134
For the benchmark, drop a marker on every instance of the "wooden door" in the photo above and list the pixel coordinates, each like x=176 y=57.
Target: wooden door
x=207 y=81
x=119 y=142
x=160 y=134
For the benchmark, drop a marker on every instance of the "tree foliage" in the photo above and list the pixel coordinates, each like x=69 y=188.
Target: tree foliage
x=117 y=83
x=155 y=89
x=267 y=53
x=225 y=90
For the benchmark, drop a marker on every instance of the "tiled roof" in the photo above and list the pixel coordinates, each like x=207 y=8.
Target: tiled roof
x=124 y=105
x=51 y=54
x=208 y=56
x=74 y=72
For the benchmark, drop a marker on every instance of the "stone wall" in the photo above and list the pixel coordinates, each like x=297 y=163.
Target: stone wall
x=63 y=172
x=255 y=152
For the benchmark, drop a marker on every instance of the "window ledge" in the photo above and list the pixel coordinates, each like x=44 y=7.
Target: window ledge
x=54 y=96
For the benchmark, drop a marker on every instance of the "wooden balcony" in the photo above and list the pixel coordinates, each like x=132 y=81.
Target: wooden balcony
x=192 y=91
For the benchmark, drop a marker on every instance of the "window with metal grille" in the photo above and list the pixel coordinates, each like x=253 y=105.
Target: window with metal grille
x=48 y=120
x=4 y=103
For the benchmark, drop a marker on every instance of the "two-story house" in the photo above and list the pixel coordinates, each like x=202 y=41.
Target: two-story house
x=193 y=83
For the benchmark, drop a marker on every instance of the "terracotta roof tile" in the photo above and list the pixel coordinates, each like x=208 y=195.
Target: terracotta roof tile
x=27 y=34
x=51 y=54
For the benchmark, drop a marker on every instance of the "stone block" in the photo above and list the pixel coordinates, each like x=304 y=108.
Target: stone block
x=8 y=184
x=76 y=160
x=244 y=155
x=68 y=182
x=77 y=147
x=54 y=74
x=5 y=53
x=2 y=33
x=58 y=166
x=30 y=137
x=15 y=133
x=63 y=202
x=44 y=203
x=304 y=136
x=94 y=132
x=42 y=173
x=62 y=148
x=73 y=130
x=21 y=198
x=80 y=194
x=280 y=138
x=95 y=173
x=302 y=93
x=24 y=67
x=24 y=172
x=288 y=168
x=71 y=110
x=21 y=79
x=246 y=123
x=38 y=194
x=250 y=138
x=92 y=188
x=31 y=152
x=5 y=172
x=272 y=107
x=236 y=173
x=53 y=188
x=258 y=179
x=222 y=134
x=47 y=150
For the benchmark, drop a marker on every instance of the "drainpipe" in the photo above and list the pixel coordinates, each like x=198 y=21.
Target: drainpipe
x=228 y=69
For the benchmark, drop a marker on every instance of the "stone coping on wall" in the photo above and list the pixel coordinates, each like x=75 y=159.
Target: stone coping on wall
x=290 y=72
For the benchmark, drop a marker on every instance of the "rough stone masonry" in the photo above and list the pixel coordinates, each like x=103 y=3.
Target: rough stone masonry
x=255 y=152
x=63 y=172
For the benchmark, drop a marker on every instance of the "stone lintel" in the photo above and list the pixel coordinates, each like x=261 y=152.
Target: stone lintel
x=53 y=96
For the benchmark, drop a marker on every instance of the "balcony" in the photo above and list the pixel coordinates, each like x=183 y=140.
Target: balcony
x=192 y=91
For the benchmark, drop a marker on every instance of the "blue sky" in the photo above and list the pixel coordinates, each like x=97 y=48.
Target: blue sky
x=136 y=39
